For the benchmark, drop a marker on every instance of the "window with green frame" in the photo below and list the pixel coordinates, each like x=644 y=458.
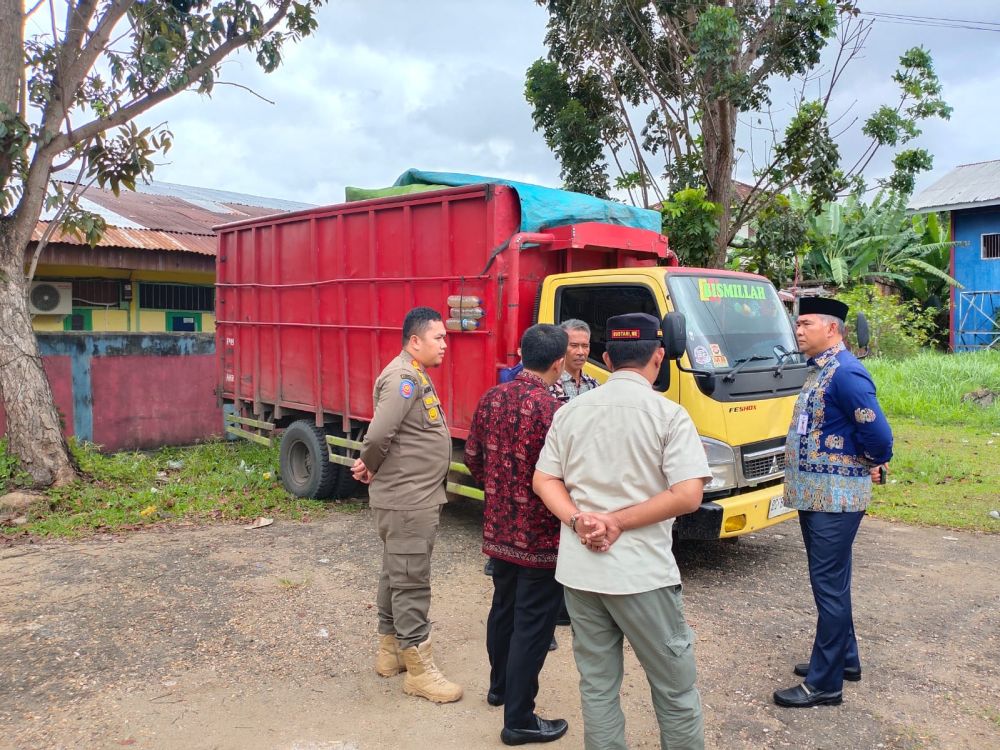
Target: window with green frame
x=183 y=321
x=81 y=319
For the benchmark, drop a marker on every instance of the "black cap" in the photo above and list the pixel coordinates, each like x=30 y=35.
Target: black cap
x=634 y=327
x=823 y=306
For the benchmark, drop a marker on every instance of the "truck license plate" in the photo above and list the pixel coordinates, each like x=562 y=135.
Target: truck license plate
x=778 y=507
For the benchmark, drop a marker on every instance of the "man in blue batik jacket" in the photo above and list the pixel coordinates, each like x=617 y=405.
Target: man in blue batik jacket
x=838 y=443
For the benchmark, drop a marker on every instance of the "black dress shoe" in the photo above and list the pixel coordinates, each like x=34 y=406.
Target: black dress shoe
x=548 y=730
x=851 y=674
x=493 y=699
x=553 y=645
x=563 y=617
x=806 y=696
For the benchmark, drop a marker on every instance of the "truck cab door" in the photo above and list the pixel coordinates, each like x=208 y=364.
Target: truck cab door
x=595 y=299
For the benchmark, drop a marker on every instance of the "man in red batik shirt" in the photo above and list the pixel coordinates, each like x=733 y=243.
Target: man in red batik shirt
x=519 y=533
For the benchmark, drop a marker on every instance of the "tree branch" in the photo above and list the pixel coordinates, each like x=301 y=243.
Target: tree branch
x=137 y=107
x=245 y=88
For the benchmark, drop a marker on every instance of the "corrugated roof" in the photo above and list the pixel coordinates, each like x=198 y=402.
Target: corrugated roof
x=966 y=186
x=145 y=239
x=164 y=216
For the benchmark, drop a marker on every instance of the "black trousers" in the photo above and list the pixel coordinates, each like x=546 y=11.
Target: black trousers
x=518 y=632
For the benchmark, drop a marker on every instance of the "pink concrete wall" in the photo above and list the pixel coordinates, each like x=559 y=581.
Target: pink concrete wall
x=133 y=391
x=60 y=372
x=148 y=401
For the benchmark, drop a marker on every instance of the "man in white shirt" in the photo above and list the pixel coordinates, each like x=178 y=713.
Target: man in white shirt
x=624 y=461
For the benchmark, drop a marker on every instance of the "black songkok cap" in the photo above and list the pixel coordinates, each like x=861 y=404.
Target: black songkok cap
x=823 y=306
x=634 y=327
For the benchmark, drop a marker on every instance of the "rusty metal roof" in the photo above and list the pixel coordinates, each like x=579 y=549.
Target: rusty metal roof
x=144 y=239
x=966 y=186
x=164 y=216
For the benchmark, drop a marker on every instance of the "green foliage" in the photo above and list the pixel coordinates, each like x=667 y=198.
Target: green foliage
x=920 y=99
x=852 y=242
x=899 y=328
x=781 y=233
x=691 y=222
x=82 y=92
x=929 y=387
x=571 y=119
x=11 y=474
x=219 y=480
x=689 y=70
x=808 y=156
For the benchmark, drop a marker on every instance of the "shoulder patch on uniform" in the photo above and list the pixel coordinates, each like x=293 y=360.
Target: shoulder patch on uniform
x=406 y=387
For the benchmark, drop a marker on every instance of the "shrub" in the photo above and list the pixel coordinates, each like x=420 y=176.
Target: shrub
x=10 y=468
x=899 y=328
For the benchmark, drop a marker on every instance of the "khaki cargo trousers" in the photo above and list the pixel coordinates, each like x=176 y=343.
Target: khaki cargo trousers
x=404 y=587
x=654 y=624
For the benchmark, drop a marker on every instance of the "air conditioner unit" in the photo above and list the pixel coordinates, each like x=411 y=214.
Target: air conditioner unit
x=51 y=298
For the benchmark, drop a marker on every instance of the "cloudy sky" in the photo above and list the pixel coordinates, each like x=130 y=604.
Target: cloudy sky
x=386 y=85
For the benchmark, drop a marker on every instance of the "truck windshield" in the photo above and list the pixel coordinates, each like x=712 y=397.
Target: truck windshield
x=731 y=319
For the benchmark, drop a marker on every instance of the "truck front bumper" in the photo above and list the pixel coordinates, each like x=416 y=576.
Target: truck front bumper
x=735 y=515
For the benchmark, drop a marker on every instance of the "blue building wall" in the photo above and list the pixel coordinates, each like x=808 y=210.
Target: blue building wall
x=976 y=275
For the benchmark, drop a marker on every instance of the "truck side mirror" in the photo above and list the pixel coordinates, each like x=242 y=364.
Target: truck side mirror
x=674 y=335
x=864 y=335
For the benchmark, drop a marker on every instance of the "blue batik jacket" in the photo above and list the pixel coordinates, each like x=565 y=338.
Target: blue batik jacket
x=838 y=433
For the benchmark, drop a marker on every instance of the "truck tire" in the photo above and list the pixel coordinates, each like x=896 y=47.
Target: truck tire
x=345 y=486
x=306 y=469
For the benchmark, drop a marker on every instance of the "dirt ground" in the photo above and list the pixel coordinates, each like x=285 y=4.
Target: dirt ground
x=225 y=638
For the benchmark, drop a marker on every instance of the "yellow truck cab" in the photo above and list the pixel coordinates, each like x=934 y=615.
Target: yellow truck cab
x=736 y=371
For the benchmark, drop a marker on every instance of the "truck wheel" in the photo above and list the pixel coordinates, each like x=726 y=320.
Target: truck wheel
x=306 y=470
x=345 y=486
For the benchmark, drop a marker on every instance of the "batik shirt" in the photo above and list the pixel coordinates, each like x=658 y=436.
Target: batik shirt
x=566 y=388
x=507 y=433
x=838 y=433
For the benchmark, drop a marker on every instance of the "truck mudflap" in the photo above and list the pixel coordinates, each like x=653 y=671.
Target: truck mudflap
x=736 y=515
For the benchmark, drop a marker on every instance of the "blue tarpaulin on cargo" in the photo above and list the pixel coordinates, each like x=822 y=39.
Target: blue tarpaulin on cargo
x=543 y=207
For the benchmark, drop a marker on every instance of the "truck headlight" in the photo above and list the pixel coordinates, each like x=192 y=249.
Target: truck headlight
x=722 y=462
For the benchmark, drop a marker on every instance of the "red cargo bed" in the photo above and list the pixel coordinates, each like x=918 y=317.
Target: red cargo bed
x=310 y=304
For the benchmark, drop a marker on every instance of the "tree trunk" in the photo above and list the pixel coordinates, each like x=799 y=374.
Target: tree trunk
x=719 y=143
x=34 y=429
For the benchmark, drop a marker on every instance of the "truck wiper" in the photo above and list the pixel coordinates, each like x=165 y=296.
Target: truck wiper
x=741 y=363
x=781 y=361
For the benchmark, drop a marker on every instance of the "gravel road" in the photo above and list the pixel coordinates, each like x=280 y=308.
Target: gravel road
x=218 y=637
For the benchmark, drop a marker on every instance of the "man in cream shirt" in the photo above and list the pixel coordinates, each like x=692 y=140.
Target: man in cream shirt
x=623 y=580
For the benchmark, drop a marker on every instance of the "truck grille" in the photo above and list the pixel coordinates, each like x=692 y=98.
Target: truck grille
x=764 y=459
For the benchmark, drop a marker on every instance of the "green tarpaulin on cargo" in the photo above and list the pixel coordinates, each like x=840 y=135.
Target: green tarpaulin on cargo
x=364 y=194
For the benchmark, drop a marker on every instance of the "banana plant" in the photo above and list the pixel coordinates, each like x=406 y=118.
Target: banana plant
x=849 y=242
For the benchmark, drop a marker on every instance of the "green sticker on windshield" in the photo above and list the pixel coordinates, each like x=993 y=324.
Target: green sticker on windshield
x=713 y=290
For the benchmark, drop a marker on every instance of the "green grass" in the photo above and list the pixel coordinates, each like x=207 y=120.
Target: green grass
x=930 y=386
x=219 y=480
x=946 y=468
x=942 y=475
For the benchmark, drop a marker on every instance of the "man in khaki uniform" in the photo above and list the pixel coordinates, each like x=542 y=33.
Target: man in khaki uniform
x=405 y=459
x=624 y=461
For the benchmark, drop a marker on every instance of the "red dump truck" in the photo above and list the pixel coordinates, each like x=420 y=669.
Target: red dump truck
x=310 y=308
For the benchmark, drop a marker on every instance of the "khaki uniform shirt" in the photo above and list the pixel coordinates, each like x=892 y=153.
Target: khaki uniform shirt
x=616 y=446
x=407 y=446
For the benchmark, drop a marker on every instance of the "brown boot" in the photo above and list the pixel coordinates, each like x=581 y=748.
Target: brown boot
x=423 y=678
x=389 y=660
